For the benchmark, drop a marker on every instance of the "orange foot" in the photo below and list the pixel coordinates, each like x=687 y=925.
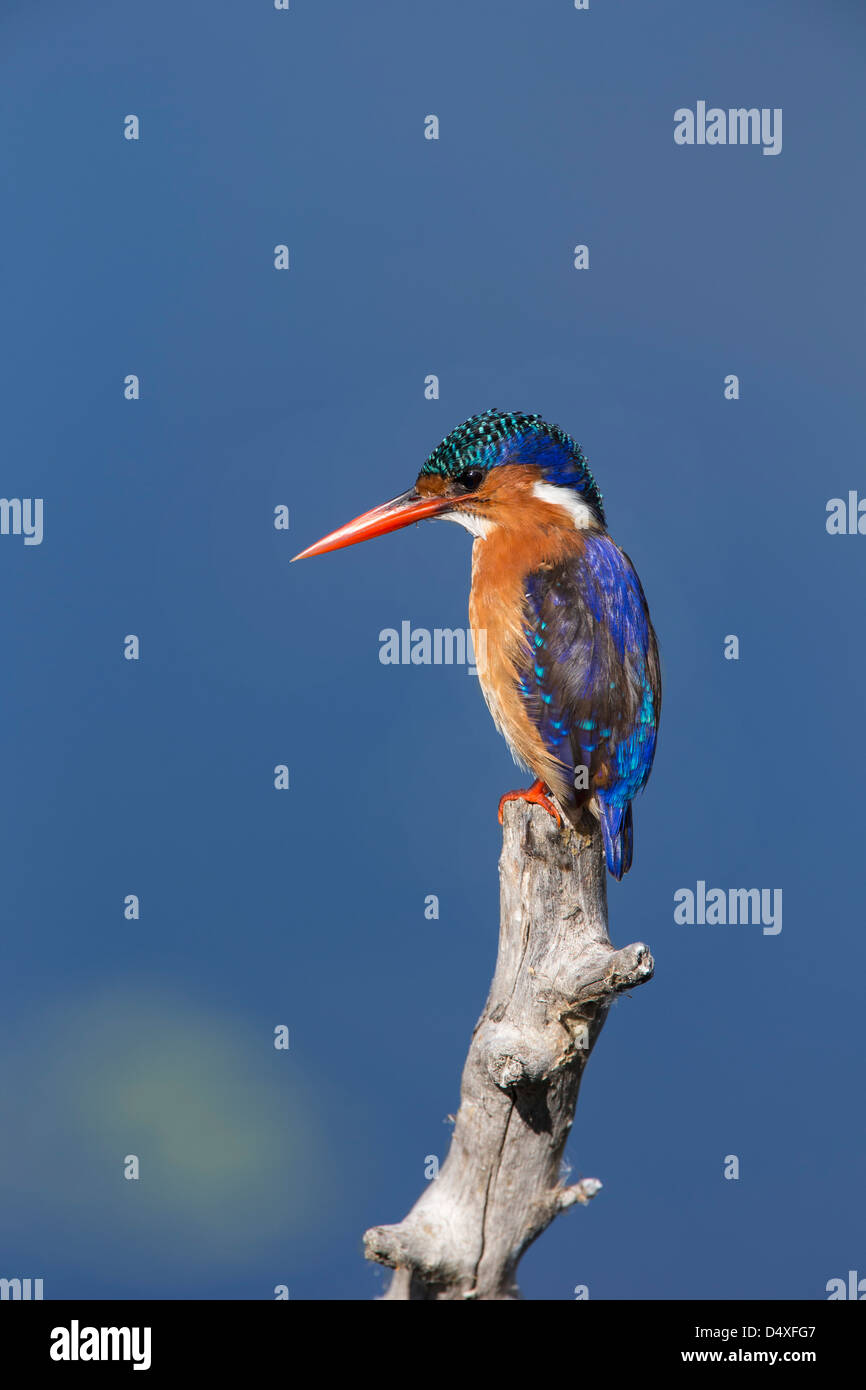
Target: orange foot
x=537 y=795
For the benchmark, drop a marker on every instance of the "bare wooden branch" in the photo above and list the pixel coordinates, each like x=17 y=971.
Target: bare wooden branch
x=556 y=976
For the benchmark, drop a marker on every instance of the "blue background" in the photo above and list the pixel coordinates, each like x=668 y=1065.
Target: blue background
x=306 y=388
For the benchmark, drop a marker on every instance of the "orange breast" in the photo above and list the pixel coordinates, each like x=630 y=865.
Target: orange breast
x=497 y=613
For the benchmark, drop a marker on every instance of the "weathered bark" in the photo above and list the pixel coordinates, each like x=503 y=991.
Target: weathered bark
x=556 y=976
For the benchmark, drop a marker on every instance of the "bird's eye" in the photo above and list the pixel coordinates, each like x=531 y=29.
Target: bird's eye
x=470 y=479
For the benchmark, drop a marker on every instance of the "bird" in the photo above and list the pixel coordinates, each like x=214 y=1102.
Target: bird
x=569 y=664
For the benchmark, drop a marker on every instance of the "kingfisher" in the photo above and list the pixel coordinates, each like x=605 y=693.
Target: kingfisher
x=569 y=661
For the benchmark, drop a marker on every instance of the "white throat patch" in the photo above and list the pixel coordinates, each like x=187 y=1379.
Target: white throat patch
x=477 y=526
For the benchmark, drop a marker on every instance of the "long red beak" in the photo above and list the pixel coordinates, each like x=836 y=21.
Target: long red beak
x=391 y=516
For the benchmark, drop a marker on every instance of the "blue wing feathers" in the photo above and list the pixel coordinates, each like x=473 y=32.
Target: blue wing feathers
x=591 y=682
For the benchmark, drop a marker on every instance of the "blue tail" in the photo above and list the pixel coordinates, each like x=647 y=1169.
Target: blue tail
x=617 y=831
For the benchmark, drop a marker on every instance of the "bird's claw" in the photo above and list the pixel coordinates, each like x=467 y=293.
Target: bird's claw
x=536 y=795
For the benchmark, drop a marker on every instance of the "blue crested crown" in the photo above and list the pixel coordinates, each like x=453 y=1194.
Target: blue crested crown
x=499 y=437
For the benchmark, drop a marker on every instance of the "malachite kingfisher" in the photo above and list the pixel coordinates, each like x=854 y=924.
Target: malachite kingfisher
x=569 y=666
